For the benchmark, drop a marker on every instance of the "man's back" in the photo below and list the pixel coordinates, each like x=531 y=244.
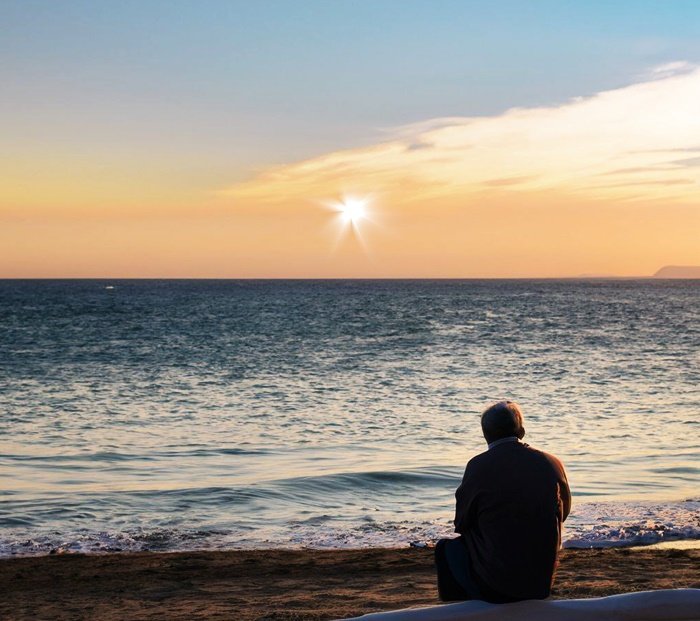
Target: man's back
x=510 y=506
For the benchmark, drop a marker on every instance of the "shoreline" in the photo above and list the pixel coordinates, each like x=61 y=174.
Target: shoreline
x=673 y=544
x=290 y=585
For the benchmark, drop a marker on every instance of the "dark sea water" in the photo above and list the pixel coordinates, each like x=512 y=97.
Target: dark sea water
x=220 y=414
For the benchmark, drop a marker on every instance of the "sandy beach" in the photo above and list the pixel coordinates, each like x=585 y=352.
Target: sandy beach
x=289 y=585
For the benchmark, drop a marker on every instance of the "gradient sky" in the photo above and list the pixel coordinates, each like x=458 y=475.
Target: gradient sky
x=206 y=139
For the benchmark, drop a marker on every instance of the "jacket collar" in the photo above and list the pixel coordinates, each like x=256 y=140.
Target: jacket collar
x=503 y=441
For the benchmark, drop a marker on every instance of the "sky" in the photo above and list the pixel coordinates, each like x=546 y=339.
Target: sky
x=222 y=139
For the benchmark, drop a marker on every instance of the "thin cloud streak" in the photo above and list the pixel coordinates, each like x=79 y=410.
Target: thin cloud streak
x=622 y=134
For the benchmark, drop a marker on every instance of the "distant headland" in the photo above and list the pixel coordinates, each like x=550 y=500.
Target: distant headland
x=667 y=271
x=678 y=271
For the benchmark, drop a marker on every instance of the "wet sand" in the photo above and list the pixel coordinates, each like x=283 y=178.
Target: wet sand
x=288 y=585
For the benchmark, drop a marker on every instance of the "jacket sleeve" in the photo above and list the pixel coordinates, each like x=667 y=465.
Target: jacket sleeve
x=566 y=499
x=465 y=505
x=564 y=492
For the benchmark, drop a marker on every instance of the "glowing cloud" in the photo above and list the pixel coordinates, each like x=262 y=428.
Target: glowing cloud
x=639 y=142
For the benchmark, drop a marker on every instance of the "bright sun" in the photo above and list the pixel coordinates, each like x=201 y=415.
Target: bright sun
x=352 y=210
x=351 y=215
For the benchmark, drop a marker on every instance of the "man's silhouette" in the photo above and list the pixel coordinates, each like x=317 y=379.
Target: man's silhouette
x=510 y=506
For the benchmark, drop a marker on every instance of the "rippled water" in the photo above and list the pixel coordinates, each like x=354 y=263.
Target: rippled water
x=204 y=414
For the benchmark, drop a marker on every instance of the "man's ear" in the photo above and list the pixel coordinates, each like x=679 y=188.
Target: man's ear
x=521 y=433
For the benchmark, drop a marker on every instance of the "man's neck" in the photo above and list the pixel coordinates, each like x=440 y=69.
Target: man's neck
x=503 y=441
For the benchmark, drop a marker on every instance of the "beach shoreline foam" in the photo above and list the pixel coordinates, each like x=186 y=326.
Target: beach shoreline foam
x=591 y=525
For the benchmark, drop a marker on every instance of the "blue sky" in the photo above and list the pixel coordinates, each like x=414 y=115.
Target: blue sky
x=234 y=86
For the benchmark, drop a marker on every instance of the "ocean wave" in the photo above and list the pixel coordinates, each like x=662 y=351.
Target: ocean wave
x=616 y=524
x=419 y=477
x=287 y=495
x=117 y=456
x=594 y=525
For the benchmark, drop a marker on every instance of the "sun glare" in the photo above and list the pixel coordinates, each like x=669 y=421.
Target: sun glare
x=351 y=216
x=352 y=211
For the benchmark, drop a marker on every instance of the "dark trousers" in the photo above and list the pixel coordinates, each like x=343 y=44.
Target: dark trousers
x=454 y=576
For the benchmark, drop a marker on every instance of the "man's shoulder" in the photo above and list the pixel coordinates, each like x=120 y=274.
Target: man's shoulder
x=544 y=455
x=478 y=460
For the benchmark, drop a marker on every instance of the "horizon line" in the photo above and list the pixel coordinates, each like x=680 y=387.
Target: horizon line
x=315 y=278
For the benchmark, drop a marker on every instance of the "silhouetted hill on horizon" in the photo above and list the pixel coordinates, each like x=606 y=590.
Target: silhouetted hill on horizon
x=678 y=271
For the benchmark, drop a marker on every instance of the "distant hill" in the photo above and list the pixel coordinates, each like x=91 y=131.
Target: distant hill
x=678 y=271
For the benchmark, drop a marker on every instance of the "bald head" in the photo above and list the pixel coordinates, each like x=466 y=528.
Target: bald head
x=502 y=420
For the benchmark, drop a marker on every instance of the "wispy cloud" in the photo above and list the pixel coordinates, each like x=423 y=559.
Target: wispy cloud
x=677 y=67
x=632 y=135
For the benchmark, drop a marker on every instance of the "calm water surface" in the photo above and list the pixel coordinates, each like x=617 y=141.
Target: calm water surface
x=218 y=414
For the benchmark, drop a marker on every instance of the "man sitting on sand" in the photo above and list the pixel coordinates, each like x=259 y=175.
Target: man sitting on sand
x=510 y=506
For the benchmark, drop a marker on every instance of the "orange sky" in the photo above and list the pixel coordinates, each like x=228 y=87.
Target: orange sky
x=607 y=184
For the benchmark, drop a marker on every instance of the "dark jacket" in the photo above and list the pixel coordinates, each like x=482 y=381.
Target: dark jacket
x=510 y=507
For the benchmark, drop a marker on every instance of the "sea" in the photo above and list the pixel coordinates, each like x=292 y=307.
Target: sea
x=221 y=414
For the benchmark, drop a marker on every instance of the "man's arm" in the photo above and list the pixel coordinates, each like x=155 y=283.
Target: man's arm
x=565 y=498
x=465 y=503
x=562 y=485
x=564 y=491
